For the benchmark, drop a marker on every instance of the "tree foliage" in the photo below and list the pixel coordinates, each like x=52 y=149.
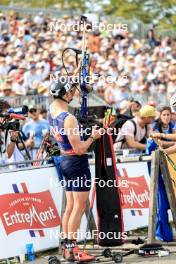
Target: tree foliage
x=162 y=12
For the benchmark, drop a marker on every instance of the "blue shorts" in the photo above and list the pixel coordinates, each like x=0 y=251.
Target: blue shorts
x=76 y=173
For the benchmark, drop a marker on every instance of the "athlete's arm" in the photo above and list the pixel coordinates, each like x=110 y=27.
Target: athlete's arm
x=72 y=130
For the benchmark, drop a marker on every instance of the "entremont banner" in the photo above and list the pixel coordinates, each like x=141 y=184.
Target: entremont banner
x=135 y=193
x=20 y=211
x=30 y=210
x=134 y=183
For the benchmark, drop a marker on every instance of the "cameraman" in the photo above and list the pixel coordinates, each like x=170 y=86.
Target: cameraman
x=11 y=146
x=7 y=145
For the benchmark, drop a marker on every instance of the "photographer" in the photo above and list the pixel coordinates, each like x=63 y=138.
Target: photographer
x=11 y=146
x=7 y=143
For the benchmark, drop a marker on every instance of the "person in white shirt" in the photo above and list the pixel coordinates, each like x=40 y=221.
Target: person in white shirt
x=134 y=132
x=3 y=67
x=30 y=77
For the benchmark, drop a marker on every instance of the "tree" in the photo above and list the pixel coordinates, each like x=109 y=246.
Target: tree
x=163 y=11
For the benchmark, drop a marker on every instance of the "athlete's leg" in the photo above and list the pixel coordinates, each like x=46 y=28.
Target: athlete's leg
x=79 y=173
x=79 y=205
x=67 y=213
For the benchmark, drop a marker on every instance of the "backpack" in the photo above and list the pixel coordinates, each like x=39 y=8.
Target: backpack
x=118 y=123
x=121 y=121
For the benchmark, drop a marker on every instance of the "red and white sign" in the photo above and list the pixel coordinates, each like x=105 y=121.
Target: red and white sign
x=136 y=192
x=30 y=210
x=134 y=182
x=20 y=211
x=135 y=196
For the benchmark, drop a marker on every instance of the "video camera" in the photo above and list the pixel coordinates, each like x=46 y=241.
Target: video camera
x=12 y=125
x=19 y=110
x=17 y=113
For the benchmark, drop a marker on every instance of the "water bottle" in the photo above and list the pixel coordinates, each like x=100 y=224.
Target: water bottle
x=30 y=252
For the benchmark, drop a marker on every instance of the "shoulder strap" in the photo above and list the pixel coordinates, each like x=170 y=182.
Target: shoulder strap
x=135 y=127
x=146 y=130
x=6 y=136
x=64 y=115
x=135 y=131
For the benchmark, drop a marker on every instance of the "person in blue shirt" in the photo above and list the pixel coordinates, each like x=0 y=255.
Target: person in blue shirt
x=36 y=128
x=164 y=125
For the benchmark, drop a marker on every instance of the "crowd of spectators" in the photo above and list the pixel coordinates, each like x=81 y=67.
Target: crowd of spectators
x=142 y=71
x=31 y=49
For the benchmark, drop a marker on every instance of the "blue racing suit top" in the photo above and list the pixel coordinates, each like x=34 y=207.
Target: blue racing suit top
x=57 y=130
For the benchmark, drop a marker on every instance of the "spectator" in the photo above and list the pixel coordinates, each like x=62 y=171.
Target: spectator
x=151 y=38
x=3 y=23
x=18 y=86
x=6 y=90
x=124 y=107
x=122 y=92
x=94 y=42
x=164 y=125
x=30 y=77
x=133 y=108
x=43 y=114
x=134 y=132
x=3 y=67
x=35 y=129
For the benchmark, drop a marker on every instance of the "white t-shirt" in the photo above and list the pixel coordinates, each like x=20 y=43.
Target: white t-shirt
x=128 y=129
x=16 y=156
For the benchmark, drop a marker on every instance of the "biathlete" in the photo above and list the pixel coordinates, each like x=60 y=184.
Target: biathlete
x=74 y=166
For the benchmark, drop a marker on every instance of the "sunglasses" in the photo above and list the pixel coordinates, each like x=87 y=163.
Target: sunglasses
x=33 y=111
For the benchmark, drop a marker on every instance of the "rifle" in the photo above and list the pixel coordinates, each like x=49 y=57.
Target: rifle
x=84 y=67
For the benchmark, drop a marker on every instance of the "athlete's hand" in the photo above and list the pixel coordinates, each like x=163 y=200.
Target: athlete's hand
x=97 y=133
